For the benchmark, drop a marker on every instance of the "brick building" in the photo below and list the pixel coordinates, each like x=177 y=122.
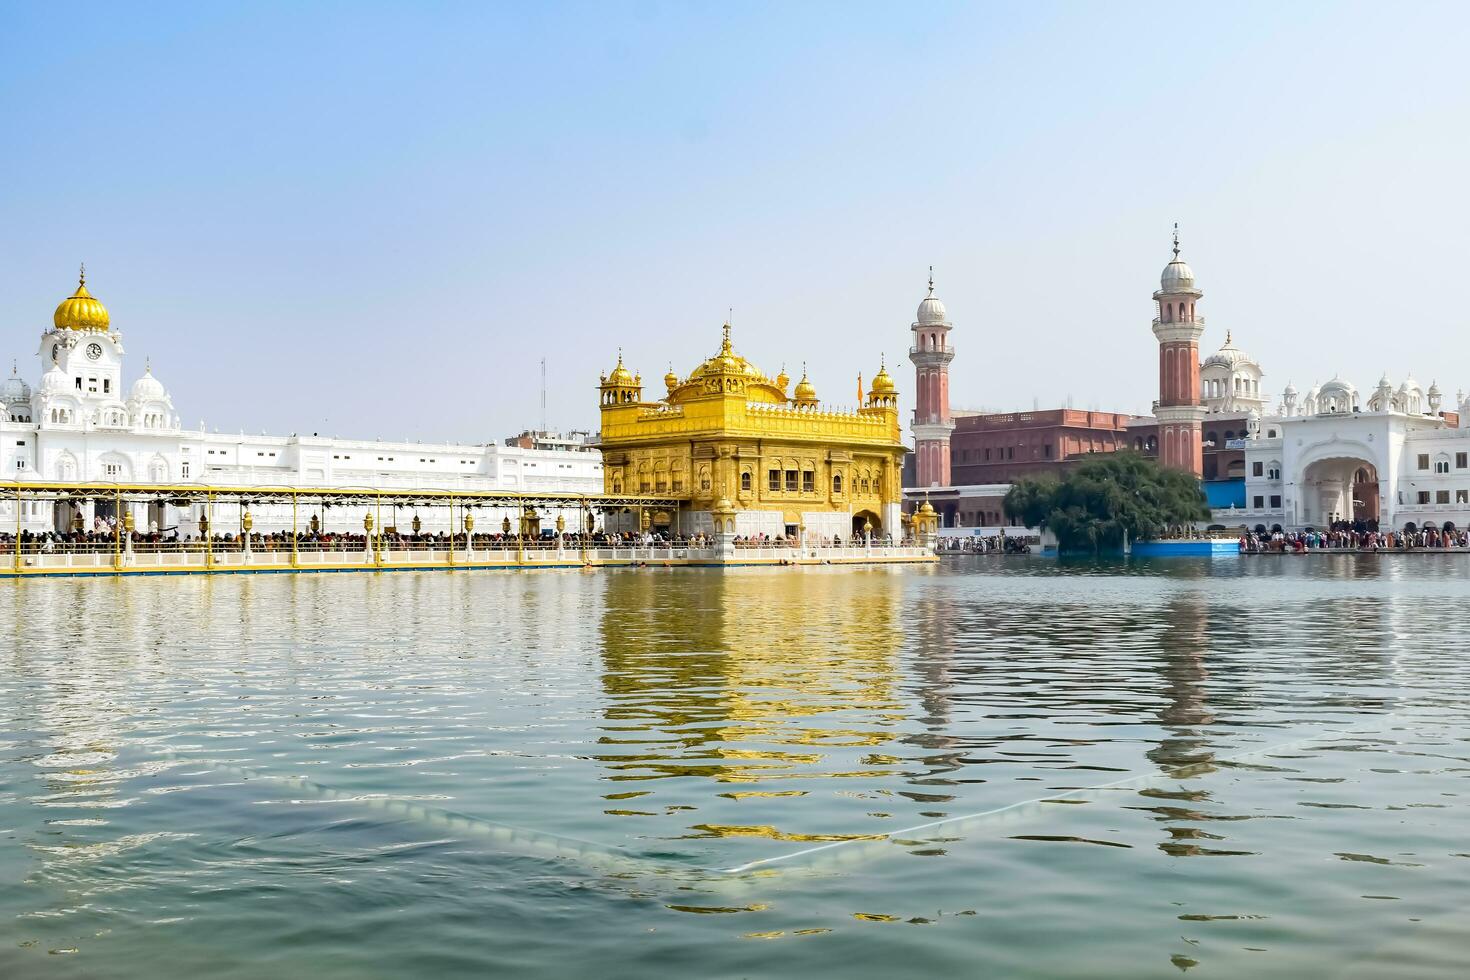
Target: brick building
x=1004 y=447
x=988 y=452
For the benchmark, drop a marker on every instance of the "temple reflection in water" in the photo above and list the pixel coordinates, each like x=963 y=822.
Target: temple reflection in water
x=740 y=681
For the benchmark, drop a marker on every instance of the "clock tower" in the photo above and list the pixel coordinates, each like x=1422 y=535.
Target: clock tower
x=84 y=348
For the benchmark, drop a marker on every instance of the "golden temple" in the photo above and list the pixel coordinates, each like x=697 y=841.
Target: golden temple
x=729 y=438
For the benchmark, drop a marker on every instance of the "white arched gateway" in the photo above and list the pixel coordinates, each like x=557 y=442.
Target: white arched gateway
x=1395 y=458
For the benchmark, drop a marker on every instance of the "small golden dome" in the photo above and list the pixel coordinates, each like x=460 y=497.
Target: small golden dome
x=927 y=508
x=620 y=375
x=81 y=310
x=671 y=380
x=782 y=380
x=882 y=382
x=805 y=393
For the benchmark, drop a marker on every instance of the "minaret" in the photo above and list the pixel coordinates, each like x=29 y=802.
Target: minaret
x=1178 y=328
x=931 y=355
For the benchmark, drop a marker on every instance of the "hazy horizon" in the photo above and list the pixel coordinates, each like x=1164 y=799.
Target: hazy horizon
x=375 y=220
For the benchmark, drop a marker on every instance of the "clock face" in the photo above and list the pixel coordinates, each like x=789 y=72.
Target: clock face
x=94 y=351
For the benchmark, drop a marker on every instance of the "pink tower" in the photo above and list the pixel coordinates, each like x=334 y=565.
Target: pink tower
x=932 y=425
x=1178 y=328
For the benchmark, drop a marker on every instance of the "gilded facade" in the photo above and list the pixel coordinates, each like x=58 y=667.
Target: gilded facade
x=788 y=464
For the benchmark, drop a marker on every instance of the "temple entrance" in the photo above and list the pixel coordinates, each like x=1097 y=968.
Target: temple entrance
x=863 y=518
x=1340 y=491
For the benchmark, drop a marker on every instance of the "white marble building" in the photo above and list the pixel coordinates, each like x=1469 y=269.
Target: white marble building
x=1397 y=458
x=80 y=422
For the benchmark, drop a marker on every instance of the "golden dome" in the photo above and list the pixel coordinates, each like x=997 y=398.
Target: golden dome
x=727 y=364
x=805 y=393
x=620 y=375
x=671 y=380
x=882 y=382
x=926 y=508
x=81 y=310
x=782 y=379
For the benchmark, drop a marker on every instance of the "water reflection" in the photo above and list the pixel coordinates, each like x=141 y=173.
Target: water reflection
x=737 y=682
x=1299 y=723
x=1185 y=749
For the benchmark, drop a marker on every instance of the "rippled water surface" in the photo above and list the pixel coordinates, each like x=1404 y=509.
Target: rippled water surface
x=996 y=767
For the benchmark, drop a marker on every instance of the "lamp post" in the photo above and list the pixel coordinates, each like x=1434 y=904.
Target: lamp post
x=204 y=533
x=469 y=528
x=246 y=523
x=521 y=538
x=367 y=526
x=127 y=531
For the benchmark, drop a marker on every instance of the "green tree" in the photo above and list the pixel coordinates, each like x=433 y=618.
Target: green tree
x=1106 y=497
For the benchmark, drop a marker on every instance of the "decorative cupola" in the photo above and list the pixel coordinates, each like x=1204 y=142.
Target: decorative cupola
x=805 y=395
x=13 y=390
x=621 y=386
x=883 y=394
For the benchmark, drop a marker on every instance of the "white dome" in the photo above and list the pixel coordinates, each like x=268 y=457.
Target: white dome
x=1230 y=356
x=147 y=389
x=53 y=382
x=13 y=391
x=1178 y=277
x=1290 y=391
x=1434 y=391
x=1337 y=395
x=931 y=311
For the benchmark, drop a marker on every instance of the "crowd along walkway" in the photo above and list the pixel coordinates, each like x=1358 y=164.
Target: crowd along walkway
x=121 y=549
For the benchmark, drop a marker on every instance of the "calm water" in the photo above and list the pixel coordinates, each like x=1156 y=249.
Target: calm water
x=997 y=767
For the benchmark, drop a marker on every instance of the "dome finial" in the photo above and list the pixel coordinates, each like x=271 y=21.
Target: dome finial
x=1227 y=336
x=1176 y=239
x=725 y=347
x=931 y=280
x=82 y=275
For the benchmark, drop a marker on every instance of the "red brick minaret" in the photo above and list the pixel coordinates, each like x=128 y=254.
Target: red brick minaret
x=1178 y=328
x=931 y=355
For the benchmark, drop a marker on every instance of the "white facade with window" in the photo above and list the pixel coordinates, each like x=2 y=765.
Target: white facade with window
x=80 y=423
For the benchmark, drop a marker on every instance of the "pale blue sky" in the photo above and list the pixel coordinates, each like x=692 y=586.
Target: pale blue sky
x=374 y=219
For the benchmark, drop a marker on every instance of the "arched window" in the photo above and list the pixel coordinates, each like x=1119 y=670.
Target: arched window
x=1229 y=434
x=1273 y=470
x=836 y=482
x=745 y=482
